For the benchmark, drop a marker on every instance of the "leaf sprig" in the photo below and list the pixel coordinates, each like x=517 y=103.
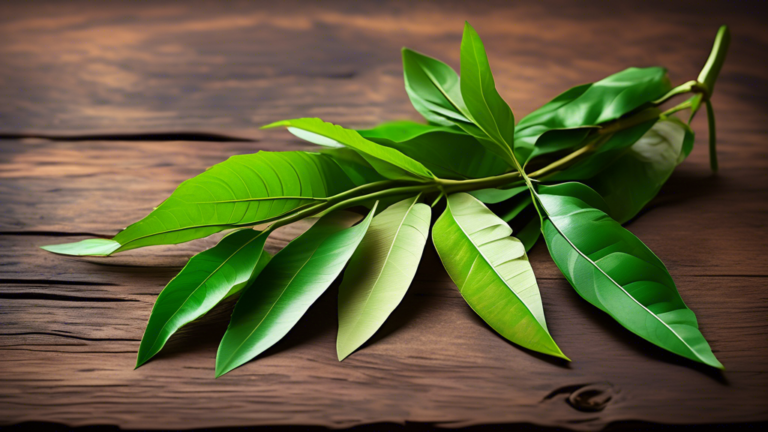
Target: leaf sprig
x=573 y=171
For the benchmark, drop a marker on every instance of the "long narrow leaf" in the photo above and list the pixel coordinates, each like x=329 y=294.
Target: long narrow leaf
x=243 y=190
x=208 y=277
x=287 y=287
x=433 y=88
x=492 y=272
x=612 y=269
x=387 y=161
x=380 y=272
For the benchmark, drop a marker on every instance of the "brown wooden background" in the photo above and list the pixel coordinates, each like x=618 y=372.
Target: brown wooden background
x=70 y=328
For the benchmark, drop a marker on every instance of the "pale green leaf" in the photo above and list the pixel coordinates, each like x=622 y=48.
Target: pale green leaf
x=380 y=272
x=492 y=272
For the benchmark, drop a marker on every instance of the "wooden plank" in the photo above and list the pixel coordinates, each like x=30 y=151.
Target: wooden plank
x=70 y=328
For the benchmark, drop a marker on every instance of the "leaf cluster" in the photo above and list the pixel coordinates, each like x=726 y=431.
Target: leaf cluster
x=572 y=172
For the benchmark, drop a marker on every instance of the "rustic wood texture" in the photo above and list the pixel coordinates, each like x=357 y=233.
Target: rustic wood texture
x=70 y=328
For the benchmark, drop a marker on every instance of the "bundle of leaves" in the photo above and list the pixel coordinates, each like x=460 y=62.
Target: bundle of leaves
x=572 y=172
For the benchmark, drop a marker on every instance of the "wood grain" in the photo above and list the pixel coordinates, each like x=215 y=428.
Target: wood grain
x=70 y=328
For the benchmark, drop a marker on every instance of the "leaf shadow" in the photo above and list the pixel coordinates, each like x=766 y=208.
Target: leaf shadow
x=637 y=344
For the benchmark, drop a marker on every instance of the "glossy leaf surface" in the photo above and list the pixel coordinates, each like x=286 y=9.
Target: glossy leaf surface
x=387 y=161
x=492 y=272
x=588 y=105
x=433 y=88
x=447 y=152
x=630 y=182
x=243 y=190
x=287 y=287
x=207 y=278
x=486 y=107
x=612 y=269
x=495 y=196
x=380 y=272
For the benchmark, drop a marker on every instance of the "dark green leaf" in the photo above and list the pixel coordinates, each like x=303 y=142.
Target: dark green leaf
x=433 y=88
x=447 y=152
x=495 y=196
x=387 y=161
x=630 y=182
x=492 y=272
x=380 y=272
x=589 y=105
x=208 y=277
x=485 y=106
x=612 y=269
x=287 y=287
x=243 y=190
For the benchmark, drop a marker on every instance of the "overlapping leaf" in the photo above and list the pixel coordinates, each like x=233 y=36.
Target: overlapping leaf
x=287 y=287
x=208 y=277
x=243 y=190
x=492 y=272
x=629 y=183
x=380 y=272
x=612 y=269
x=570 y=116
x=387 y=161
x=447 y=152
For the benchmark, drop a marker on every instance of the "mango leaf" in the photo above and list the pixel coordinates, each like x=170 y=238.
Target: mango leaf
x=208 y=278
x=288 y=286
x=613 y=147
x=243 y=190
x=433 y=88
x=485 y=106
x=355 y=166
x=492 y=272
x=587 y=106
x=495 y=196
x=380 y=272
x=388 y=162
x=630 y=182
x=612 y=269
x=447 y=152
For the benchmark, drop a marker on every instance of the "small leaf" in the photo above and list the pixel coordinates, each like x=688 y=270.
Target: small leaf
x=380 y=272
x=388 y=162
x=630 y=182
x=242 y=191
x=612 y=269
x=447 y=152
x=486 y=108
x=287 y=287
x=433 y=88
x=208 y=278
x=492 y=272
x=89 y=247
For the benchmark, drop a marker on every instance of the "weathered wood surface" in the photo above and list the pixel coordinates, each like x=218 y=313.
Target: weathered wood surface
x=70 y=328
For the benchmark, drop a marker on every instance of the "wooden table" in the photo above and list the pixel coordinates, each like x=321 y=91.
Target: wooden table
x=70 y=328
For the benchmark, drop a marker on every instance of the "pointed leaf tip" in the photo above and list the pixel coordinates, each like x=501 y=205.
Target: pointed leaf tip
x=90 y=247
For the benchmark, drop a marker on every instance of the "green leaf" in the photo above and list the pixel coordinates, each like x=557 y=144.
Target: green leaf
x=587 y=106
x=485 y=106
x=380 y=272
x=388 y=162
x=208 y=278
x=492 y=272
x=630 y=182
x=287 y=287
x=243 y=190
x=355 y=166
x=495 y=196
x=448 y=153
x=433 y=88
x=613 y=147
x=612 y=269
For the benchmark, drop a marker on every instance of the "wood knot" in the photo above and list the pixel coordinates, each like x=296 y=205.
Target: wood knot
x=592 y=397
